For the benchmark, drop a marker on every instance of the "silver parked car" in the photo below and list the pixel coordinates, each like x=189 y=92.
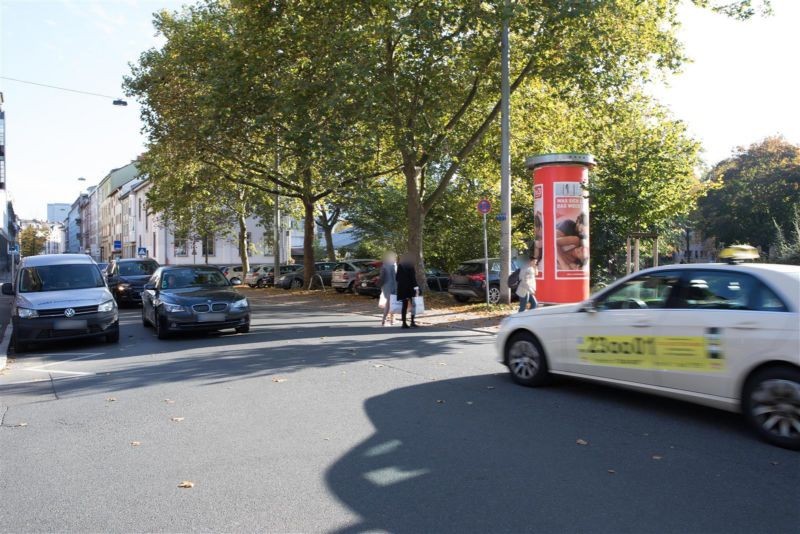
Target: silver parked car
x=61 y=296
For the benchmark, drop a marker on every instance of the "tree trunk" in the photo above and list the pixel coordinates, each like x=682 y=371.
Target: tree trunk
x=243 y=245
x=329 y=243
x=416 y=218
x=308 y=241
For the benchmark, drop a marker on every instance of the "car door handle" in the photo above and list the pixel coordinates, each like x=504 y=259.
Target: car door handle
x=746 y=325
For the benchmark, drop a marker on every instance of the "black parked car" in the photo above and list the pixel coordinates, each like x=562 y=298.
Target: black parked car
x=437 y=280
x=193 y=298
x=127 y=277
x=468 y=282
x=294 y=280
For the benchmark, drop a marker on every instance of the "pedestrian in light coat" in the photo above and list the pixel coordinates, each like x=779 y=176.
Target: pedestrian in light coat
x=526 y=290
x=388 y=285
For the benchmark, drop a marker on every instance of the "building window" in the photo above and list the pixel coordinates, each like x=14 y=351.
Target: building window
x=181 y=245
x=208 y=245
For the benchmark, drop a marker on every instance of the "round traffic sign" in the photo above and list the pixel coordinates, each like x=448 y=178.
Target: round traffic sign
x=484 y=206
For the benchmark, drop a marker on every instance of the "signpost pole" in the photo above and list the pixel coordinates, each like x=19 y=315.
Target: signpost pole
x=486 y=257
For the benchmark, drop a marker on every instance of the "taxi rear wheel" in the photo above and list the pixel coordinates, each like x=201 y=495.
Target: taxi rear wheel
x=771 y=403
x=526 y=360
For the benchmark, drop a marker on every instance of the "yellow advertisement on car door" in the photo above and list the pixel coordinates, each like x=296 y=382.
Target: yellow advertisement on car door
x=678 y=353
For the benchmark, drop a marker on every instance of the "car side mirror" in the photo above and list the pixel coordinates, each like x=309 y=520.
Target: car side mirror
x=589 y=307
x=8 y=289
x=150 y=286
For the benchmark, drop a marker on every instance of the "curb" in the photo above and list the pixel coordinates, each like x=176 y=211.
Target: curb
x=4 y=346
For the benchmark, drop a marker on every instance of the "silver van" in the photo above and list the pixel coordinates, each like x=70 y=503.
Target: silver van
x=60 y=296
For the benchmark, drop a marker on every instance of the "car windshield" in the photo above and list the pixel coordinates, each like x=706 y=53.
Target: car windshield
x=180 y=278
x=59 y=277
x=137 y=268
x=470 y=268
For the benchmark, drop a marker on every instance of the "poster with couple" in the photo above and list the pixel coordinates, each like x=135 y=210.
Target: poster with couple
x=571 y=212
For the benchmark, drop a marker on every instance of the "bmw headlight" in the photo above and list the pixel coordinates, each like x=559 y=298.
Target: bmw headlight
x=123 y=287
x=27 y=313
x=239 y=304
x=107 y=306
x=173 y=308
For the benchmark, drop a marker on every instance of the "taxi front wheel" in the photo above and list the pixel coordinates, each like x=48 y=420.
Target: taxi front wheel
x=771 y=403
x=526 y=360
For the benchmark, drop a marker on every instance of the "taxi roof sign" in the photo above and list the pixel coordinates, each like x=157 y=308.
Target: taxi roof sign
x=738 y=253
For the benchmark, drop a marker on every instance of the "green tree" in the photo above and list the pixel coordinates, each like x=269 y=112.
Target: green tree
x=32 y=240
x=759 y=184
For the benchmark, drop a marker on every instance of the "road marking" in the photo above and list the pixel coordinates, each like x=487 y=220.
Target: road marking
x=393 y=475
x=56 y=371
x=86 y=355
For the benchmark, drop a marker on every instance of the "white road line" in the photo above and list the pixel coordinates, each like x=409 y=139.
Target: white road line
x=73 y=373
x=89 y=355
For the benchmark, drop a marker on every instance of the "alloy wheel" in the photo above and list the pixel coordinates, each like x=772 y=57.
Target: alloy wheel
x=775 y=406
x=524 y=359
x=494 y=295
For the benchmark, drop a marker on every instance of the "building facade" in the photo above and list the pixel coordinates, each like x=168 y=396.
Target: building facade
x=89 y=228
x=55 y=238
x=57 y=212
x=72 y=224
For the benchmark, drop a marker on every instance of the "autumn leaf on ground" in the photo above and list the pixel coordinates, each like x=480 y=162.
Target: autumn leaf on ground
x=169 y=401
x=377 y=365
x=176 y=419
x=489 y=387
x=441 y=363
x=23 y=423
x=186 y=484
x=657 y=457
x=279 y=380
x=135 y=443
x=439 y=401
x=581 y=442
x=612 y=472
x=111 y=399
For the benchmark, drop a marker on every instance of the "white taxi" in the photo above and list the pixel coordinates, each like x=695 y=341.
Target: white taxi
x=721 y=335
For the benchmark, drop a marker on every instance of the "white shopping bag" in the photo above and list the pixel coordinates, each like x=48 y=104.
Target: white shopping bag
x=395 y=306
x=419 y=305
x=382 y=301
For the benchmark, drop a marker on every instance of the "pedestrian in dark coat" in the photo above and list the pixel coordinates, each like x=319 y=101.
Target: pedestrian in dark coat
x=407 y=287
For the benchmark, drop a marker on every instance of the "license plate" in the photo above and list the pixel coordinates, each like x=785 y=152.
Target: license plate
x=66 y=324
x=210 y=317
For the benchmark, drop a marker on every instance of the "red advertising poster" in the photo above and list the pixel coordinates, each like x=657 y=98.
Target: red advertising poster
x=538 y=226
x=571 y=243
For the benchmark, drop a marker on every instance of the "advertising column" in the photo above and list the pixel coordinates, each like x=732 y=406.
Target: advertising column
x=561 y=223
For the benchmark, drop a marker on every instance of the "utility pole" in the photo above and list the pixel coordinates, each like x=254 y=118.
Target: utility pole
x=505 y=162
x=276 y=243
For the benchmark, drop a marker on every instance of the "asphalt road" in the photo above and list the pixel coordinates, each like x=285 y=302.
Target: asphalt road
x=321 y=422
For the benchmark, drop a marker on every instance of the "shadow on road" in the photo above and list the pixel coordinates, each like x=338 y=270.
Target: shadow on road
x=482 y=455
x=267 y=350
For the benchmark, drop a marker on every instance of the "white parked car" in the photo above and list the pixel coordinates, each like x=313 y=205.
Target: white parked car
x=722 y=335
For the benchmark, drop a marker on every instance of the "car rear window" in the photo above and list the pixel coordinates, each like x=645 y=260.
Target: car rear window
x=59 y=277
x=470 y=268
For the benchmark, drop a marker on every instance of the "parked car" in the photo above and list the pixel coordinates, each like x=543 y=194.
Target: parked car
x=726 y=336
x=255 y=272
x=369 y=283
x=127 y=277
x=437 y=280
x=60 y=296
x=344 y=273
x=233 y=273
x=193 y=298
x=263 y=276
x=468 y=282
x=294 y=279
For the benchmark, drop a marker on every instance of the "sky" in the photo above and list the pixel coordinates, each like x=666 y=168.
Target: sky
x=741 y=87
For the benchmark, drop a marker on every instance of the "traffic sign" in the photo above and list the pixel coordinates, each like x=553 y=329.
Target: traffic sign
x=484 y=206
x=141 y=251
x=117 y=245
x=13 y=249
x=500 y=217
